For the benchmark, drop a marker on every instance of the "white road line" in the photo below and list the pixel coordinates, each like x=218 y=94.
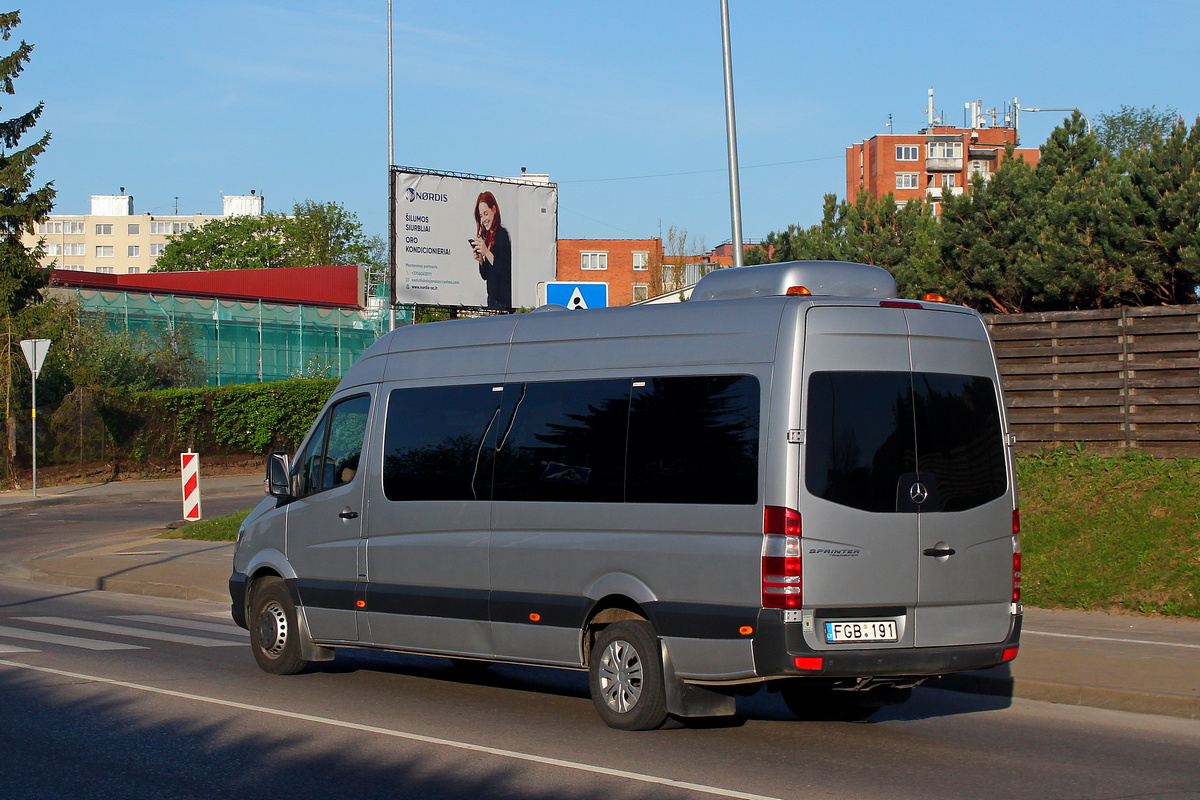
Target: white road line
x=69 y=641
x=413 y=737
x=136 y=633
x=191 y=624
x=1109 y=639
x=10 y=648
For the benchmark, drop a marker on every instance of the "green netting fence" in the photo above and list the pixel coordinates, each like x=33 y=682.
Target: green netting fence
x=246 y=341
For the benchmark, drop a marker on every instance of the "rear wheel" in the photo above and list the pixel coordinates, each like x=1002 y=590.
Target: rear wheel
x=626 y=677
x=274 y=632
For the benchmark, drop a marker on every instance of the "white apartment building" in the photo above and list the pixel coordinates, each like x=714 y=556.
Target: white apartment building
x=112 y=239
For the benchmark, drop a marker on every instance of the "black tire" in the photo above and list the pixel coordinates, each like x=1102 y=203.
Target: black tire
x=817 y=702
x=625 y=675
x=274 y=632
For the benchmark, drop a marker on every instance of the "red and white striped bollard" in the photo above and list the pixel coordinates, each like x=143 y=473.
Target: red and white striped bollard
x=189 y=466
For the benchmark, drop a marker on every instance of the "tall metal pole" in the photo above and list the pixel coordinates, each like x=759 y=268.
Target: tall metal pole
x=391 y=211
x=34 y=436
x=735 y=195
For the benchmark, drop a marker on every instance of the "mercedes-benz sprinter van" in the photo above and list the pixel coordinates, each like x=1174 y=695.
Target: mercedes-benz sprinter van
x=793 y=479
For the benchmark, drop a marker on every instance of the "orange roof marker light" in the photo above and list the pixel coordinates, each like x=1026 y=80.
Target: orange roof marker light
x=934 y=297
x=798 y=291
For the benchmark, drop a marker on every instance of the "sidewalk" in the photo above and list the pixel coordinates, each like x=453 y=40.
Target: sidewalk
x=114 y=491
x=1129 y=663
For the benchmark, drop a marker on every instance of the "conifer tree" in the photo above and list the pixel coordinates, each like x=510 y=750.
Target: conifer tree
x=1164 y=181
x=21 y=277
x=1088 y=255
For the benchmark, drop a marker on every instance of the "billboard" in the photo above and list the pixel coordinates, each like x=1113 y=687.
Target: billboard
x=460 y=240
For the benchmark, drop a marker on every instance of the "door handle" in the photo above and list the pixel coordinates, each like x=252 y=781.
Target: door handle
x=348 y=514
x=938 y=552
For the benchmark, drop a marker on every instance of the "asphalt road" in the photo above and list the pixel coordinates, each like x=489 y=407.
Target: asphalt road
x=180 y=710
x=41 y=530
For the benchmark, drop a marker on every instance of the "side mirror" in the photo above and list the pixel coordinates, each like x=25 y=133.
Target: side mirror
x=278 y=483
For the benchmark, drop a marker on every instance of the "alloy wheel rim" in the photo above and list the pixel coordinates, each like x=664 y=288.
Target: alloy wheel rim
x=620 y=676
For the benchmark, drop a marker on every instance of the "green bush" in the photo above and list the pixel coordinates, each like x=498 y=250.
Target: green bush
x=251 y=418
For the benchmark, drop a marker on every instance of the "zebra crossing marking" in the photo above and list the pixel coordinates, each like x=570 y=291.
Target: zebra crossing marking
x=136 y=633
x=68 y=641
x=191 y=624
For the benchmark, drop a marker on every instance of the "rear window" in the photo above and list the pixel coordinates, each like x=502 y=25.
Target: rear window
x=870 y=435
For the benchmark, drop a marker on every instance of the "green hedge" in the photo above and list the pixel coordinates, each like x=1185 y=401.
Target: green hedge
x=250 y=418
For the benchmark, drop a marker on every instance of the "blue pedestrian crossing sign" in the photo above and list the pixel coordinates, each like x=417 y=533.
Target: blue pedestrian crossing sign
x=577 y=295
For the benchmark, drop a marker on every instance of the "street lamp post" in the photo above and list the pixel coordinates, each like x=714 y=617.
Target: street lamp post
x=1036 y=110
x=735 y=196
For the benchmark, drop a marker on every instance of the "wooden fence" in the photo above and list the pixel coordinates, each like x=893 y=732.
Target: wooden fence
x=1112 y=380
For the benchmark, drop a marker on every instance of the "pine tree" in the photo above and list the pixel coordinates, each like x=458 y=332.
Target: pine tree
x=988 y=239
x=21 y=276
x=1164 y=181
x=1088 y=252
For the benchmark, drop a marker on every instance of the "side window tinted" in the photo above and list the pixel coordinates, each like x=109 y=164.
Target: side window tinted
x=566 y=441
x=433 y=443
x=960 y=440
x=347 y=429
x=860 y=438
x=694 y=440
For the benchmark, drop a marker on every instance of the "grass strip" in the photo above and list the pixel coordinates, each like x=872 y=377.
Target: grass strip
x=1105 y=533
x=218 y=529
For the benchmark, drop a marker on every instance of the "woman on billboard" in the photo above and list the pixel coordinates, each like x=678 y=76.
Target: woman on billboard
x=493 y=250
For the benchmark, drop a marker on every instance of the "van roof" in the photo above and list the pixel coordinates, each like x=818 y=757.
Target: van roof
x=819 y=278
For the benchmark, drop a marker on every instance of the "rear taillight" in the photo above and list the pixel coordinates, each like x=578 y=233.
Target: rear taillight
x=1016 y=597
x=781 y=563
x=1016 y=583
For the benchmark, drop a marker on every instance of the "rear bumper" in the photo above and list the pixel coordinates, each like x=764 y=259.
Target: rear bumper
x=777 y=646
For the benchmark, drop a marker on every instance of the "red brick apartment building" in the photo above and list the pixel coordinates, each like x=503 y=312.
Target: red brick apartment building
x=938 y=160
x=630 y=267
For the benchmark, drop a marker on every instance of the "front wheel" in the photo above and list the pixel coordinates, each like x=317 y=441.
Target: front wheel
x=274 y=632
x=625 y=675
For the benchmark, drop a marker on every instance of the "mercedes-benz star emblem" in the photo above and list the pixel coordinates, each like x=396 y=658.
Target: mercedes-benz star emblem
x=918 y=493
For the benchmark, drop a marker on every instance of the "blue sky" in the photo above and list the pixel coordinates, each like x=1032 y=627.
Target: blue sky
x=622 y=103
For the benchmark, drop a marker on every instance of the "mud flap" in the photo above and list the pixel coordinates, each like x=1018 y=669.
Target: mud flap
x=310 y=650
x=690 y=700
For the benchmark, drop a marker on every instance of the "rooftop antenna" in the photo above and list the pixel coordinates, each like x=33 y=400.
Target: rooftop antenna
x=929 y=108
x=889 y=123
x=177 y=205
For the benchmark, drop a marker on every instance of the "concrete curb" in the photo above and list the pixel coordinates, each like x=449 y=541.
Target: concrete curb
x=148 y=588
